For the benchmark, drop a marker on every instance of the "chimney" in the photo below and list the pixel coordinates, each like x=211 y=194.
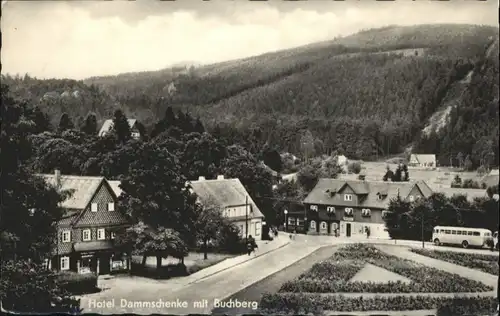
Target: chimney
x=201 y=178
x=219 y=177
x=57 y=177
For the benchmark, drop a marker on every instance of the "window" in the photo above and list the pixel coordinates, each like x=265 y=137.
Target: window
x=135 y=135
x=323 y=225
x=101 y=234
x=314 y=207
x=412 y=198
x=93 y=207
x=464 y=232
x=348 y=211
x=330 y=209
x=86 y=235
x=459 y=232
x=64 y=263
x=447 y=232
x=111 y=207
x=453 y=232
x=257 y=229
x=113 y=235
x=312 y=225
x=469 y=233
x=291 y=221
x=366 y=212
x=487 y=234
x=476 y=234
x=300 y=222
x=66 y=236
x=45 y=264
x=347 y=197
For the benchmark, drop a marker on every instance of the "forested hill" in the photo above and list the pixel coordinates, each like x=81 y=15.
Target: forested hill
x=370 y=94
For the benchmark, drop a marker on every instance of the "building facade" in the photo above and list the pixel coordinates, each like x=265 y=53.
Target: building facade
x=85 y=242
x=349 y=208
x=235 y=203
x=422 y=161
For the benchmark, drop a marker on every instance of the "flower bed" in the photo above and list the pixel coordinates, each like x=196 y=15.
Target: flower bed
x=485 y=263
x=301 y=303
x=333 y=276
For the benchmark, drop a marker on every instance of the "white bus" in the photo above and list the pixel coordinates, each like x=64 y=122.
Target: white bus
x=464 y=236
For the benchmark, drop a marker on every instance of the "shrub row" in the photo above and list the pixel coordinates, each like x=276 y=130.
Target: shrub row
x=300 y=303
x=164 y=272
x=485 y=263
x=333 y=276
x=77 y=283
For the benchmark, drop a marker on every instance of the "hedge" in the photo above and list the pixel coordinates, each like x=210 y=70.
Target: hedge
x=301 y=303
x=78 y=283
x=164 y=272
x=483 y=262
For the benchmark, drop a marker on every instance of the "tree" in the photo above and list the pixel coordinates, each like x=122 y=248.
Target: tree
x=209 y=222
x=198 y=127
x=40 y=119
x=406 y=173
x=173 y=207
x=457 y=182
x=460 y=158
x=389 y=175
x=90 y=124
x=397 y=218
x=272 y=159
x=65 y=123
x=354 y=167
x=121 y=127
x=28 y=213
x=308 y=177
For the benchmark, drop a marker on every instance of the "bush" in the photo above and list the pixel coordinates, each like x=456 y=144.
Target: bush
x=485 y=263
x=354 y=167
x=302 y=303
x=77 y=283
x=164 y=272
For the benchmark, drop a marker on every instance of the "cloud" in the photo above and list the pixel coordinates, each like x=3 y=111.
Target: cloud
x=59 y=39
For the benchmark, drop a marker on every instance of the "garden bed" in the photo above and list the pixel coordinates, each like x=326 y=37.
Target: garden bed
x=482 y=262
x=334 y=274
x=301 y=303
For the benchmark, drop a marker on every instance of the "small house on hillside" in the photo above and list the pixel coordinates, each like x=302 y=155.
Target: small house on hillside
x=422 y=160
x=234 y=201
x=107 y=127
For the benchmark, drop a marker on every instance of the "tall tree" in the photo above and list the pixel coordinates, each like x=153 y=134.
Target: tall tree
x=198 y=127
x=65 y=123
x=89 y=126
x=121 y=127
x=28 y=213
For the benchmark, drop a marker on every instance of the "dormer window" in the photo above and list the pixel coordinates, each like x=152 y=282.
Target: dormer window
x=314 y=208
x=330 y=209
x=347 y=197
x=348 y=211
x=366 y=212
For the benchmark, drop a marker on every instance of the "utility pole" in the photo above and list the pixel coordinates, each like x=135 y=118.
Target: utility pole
x=246 y=219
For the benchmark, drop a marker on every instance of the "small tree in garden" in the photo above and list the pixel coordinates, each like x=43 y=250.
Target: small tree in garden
x=208 y=223
x=354 y=167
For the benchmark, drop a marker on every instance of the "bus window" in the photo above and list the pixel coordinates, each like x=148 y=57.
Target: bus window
x=469 y=233
x=435 y=231
x=453 y=232
x=476 y=234
x=459 y=232
x=487 y=234
x=464 y=232
x=447 y=232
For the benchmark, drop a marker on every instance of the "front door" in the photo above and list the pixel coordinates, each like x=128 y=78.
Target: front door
x=348 y=230
x=104 y=265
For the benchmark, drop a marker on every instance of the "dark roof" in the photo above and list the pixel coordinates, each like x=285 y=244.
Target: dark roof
x=224 y=192
x=368 y=190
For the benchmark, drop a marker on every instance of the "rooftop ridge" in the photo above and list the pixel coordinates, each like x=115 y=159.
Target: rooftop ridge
x=72 y=176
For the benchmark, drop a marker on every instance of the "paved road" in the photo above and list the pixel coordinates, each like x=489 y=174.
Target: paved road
x=273 y=282
x=218 y=286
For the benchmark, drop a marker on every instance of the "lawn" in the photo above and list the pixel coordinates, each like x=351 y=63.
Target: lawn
x=482 y=262
x=171 y=267
x=341 y=274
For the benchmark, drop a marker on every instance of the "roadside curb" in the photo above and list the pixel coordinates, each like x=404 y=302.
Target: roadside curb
x=238 y=263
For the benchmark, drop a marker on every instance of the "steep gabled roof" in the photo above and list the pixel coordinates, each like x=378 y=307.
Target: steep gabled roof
x=370 y=190
x=224 y=192
x=115 y=186
x=83 y=189
x=107 y=126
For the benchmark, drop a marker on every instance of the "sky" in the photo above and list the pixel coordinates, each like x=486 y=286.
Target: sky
x=79 y=39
